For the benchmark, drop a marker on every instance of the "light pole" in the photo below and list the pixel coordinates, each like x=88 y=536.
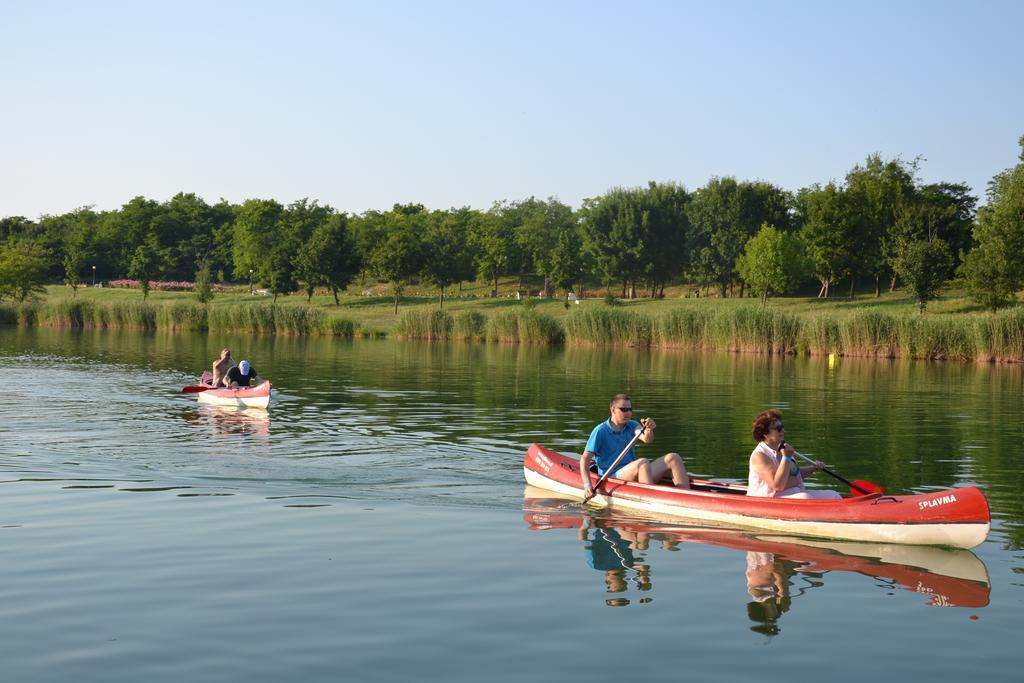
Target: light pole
x=250 y=281
x=94 y=276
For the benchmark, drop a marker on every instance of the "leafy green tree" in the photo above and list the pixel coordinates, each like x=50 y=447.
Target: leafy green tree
x=134 y=225
x=366 y=230
x=74 y=262
x=493 y=242
x=774 y=262
x=400 y=255
x=193 y=233
x=828 y=232
x=280 y=273
x=724 y=214
x=566 y=262
x=15 y=226
x=876 y=191
x=76 y=234
x=539 y=232
x=203 y=287
x=523 y=222
x=261 y=245
x=23 y=269
x=447 y=257
x=107 y=247
x=146 y=263
x=615 y=229
x=989 y=273
x=925 y=265
x=951 y=213
x=918 y=253
x=328 y=258
x=668 y=233
x=300 y=221
x=994 y=269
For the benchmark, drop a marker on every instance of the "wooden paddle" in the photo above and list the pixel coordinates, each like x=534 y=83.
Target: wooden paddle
x=607 y=472
x=858 y=487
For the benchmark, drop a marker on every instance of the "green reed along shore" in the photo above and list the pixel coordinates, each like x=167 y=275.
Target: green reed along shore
x=747 y=328
x=710 y=325
x=182 y=316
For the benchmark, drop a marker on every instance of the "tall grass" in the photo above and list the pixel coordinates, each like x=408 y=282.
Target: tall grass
x=434 y=325
x=470 y=326
x=525 y=326
x=818 y=334
x=299 y=319
x=183 y=316
x=686 y=327
x=873 y=333
x=1000 y=337
x=178 y=316
x=338 y=327
x=868 y=332
x=609 y=325
x=755 y=328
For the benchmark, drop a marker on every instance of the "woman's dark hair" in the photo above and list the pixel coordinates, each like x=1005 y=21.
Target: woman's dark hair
x=763 y=423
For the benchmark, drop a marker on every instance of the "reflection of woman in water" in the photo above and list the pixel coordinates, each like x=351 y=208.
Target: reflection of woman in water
x=768 y=585
x=611 y=551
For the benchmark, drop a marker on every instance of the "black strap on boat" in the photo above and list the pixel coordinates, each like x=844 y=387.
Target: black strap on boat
x=887 y=499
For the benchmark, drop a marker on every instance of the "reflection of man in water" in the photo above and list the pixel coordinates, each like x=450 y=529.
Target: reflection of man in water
x=768 y=585
x=611 y=551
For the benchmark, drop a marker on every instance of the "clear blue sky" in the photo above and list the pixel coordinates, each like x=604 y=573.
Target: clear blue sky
x=364 y=104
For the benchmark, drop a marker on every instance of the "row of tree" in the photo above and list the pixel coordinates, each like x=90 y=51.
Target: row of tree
x=879 y=225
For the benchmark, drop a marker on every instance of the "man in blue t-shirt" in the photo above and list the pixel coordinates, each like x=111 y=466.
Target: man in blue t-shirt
x=608 y=440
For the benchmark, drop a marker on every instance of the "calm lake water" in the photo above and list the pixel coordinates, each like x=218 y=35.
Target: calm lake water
x=374 y=525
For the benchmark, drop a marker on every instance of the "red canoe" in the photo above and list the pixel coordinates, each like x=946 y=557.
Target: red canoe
x=957 y=518
x=245 y=397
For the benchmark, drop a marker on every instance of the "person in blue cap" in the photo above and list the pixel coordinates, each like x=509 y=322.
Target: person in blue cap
x=242 y=375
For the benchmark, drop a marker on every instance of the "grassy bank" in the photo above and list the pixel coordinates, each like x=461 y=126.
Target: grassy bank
x=177 y=315
x=885 y=327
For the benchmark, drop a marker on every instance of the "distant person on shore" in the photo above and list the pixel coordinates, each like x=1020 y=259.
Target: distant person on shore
x=609 y=438
x=774 y=472
x=242 y=375
x=221 y=367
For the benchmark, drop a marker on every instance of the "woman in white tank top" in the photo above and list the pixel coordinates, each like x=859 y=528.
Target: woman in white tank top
x=774 y=472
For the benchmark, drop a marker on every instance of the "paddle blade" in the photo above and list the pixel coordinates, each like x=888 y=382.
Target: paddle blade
x=868 y=486
x=194 y=389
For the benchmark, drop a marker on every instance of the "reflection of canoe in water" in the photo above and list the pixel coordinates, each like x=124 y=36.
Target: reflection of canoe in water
x=231 y=419
x=951 y=577
x=956 y=517
x=244 y=397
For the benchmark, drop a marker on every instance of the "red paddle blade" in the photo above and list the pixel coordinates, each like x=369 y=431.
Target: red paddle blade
x=868 y=486
x=194 y=389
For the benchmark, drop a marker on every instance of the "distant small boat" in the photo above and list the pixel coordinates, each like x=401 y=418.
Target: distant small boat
x=243 y=397
x=958 y=518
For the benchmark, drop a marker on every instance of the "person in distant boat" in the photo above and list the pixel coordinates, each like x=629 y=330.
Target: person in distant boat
x=774 y=472
x=221 y=367
x=611 y=436
x=242 y=375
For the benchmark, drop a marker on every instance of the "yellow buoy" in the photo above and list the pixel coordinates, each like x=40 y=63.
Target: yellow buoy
x=831 y=360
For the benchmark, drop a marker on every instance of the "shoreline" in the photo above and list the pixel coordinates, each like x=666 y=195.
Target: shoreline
x=737 y=327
